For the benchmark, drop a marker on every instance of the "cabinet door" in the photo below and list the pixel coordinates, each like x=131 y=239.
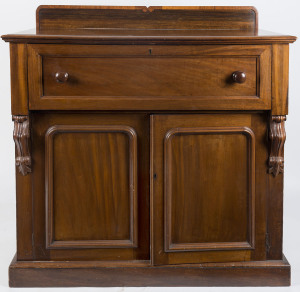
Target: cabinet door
x=208 y=188
x=91 y=186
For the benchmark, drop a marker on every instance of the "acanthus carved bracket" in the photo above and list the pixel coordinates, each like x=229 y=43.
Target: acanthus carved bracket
x=277 y=137
x=21 y=138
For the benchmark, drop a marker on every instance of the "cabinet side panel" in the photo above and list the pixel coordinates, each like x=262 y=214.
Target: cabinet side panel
x=280 y=79
x=19 y=88
x=24 y=217
x=277 y=138
x=21 y=136
x=275 y=217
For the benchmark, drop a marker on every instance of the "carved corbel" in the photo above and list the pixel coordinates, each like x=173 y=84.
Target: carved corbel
x=277 y=137
x=21 y=138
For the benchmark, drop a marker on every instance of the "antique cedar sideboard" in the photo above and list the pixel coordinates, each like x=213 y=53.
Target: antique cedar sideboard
x=149 y=147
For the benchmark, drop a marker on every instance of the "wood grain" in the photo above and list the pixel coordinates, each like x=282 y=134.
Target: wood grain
x=25 y=240
x=179 y=78
x=148 y=76
x=142 y=17
x=280 y=79
x=149 y=37
x=102 y=85
x=92 y=181
x=259 y=124
x=19 y=84
x=275 y=217
x=152 y=26
x=190 y=213
x=101 y=205
x=195 y=204
x=87 y=274
x=277 y=138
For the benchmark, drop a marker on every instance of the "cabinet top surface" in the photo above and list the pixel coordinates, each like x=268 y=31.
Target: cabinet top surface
x=110 y=24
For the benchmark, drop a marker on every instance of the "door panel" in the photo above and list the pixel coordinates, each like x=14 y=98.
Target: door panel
x=200 y=187
x=203 y=191
x=96 y=186
x=105 y=196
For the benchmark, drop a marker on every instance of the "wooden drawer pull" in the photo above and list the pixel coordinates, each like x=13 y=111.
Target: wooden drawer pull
x=61 y=77
x=239 y=77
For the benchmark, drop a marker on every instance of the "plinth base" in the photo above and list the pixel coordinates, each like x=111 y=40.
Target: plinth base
x=136 y=274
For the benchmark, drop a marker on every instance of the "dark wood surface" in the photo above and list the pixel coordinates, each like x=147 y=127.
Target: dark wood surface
x=23 y=164
x=147 y=25
x=149 y=147
x=148 y=78
x=145 y=76
x=205 y=170
x=150 y=37
x=195 y=203
x=142 y=17
x=152 y=25
x=19 y=79
x=95 y=169
x=280 y=79
x=99 y=208
x=87 y=274
x=277 y=138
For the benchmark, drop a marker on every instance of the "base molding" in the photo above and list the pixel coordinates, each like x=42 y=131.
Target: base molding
x=142 y=274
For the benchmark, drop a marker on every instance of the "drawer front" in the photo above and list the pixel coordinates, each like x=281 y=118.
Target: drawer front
x=143 y=77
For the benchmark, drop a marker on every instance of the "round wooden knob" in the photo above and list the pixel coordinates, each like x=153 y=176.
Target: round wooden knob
x=61 y=77
x=239 y=77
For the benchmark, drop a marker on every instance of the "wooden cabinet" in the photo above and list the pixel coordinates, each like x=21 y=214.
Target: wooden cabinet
x=149 y=148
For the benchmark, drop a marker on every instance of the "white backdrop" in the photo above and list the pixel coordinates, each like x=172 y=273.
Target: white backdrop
x=274 y=15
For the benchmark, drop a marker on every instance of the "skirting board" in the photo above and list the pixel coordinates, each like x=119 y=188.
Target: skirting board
x=142 y=274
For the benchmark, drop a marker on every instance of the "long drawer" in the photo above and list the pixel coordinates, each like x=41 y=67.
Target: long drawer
x=145 y=77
